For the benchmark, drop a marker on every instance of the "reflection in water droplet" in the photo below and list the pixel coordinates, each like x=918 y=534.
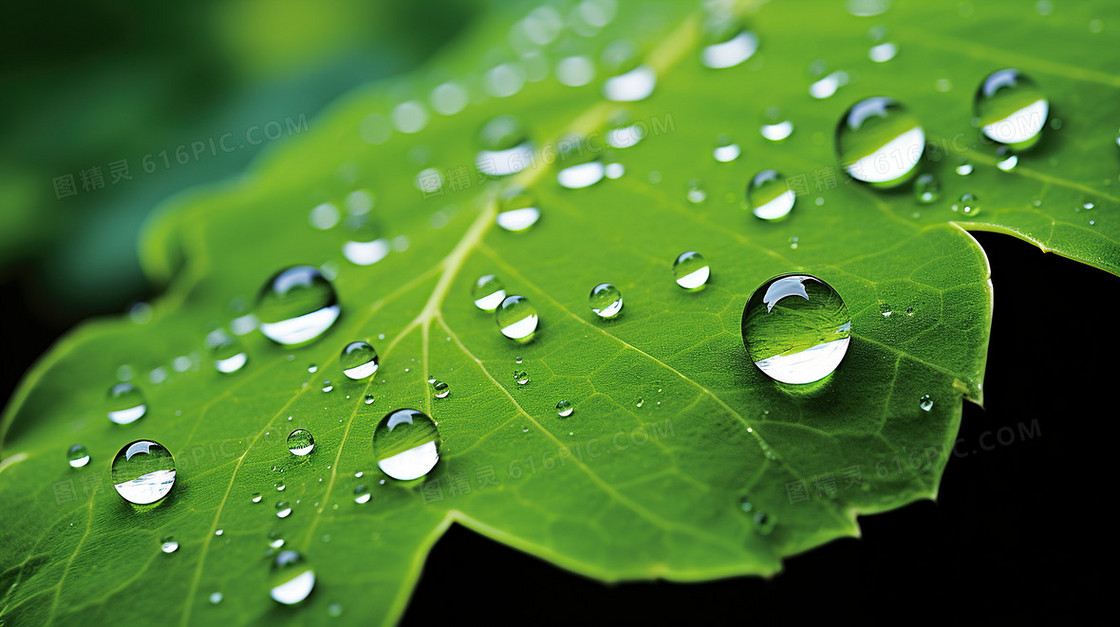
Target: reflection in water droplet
x=926 y=188
x=1008 y=160
x=300 y=442
x=521 y=377
x=227 y=352
x=769 y=196
x=691 y=270
x=488 y=292
x=358 y=360
x=126 y=404
x=406 y=444
x=605 y=300
x=517 y=318
x=564 y=408
x=291 y=579
x=796 y=328
x=296 y=306
x=77 y=456
x=504 y=147
x=1011 y=109
x=517 y=210
x=143 y=472
x=879 y=142
x=926 y=403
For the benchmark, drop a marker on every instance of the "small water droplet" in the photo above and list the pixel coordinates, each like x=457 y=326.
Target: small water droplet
x=324 y=216
x=696 y=193
x=728 y=42
x=1007 y=159
x=964 y=169
x=578 y=162
x=291 y=579
x=365 y=242
x=369 y=399
x=641 y=401
x=880 y=142
x=143 y=472
x=763 y=523
x=358 y=360
x=967 y=205
x=827 y=86
x=256 y=498
x=632 y=86
x=77 y=456
x=327 y=387
x=227 y=352
x=623 y=132
x=726 y=150
x=406 y=444
x=521 y=377
x=488 y=292
x=279 y=485
x=504 y=147
x=796 y=328
x=361 y=494
x=564 y=408
x=575 y=71
x=1011 y=109
x=909 y=311
x=334 y=610
x=691 y=270
x=769 y=196
x=517 y=210
x=885 y=310
x=775 y=127
x=883 y=52
x=126 y=404
x=926 y=403
x=296 y=306
x=168 y=545
x=440 y=389
x=300 y=442
x=283 y=509
x=215 y=598
x=605 y=300
x=517 y=318
x=926 y=188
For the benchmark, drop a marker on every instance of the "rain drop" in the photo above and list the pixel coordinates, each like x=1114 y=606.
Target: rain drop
x=406 y=444
x=226 y=351
x=361 y=494
x=365 y=244
x=440 y=389
x=879 y=142
x=728 y=43
x=488 y=292
x=300 y=442
x=632 y=86
x=126 y=404
x=967 y=205
x=774 y=126
x=504 y=147
x=521 y=377
x=168 y=545
x=769 y=196
x=564 y=408
x=77 y=456
x=291 y=579
x=1011 y=109
x=579 y=163
x=296 y=306
x=926 y=188
x=726 y=150
x=605 y=300
x=691 y=270
x=358 y=360
x=517 y=210
x=143 y=472
x=283 y=510
x=517 y=318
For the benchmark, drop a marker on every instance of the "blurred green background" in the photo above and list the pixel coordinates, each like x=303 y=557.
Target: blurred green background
x=89 y=88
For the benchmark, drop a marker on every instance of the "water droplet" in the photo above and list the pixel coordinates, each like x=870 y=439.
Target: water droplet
x=126 y=404
x=696 y=193
x=504 y=147
x=883 y=52
x=296 y=306
x=827 y=86
x=168 y=545
x=517 y=318
x=1011 y=109
x=578 y=161
x=256 y=498
x=358 y=360
x=449 y=98
x=300 y=442
x=291 y=579
x=215 y=598
x=885 y=310
x=369 y=399
x=77 y=456
x=623 y=132
x=406 y=444
x=728 y=43
x=488 y=292
x=691 y=270
x=1008 y=160
x=361 y=494
x=605 y=300
x=564 y=408
x=327 y=387
x=641 y=401
x=334 y=610
x=517 y=210
x=143 y=472
x=967 y=205
x=796 y=328
x=926 y=188
x=283 y=510
x=774 y=126
x=409 y=117
x=575 y=71
x=769 y=196
x=763 y=523
x=365 y=243
x=632 y=86
x=517 y=359
x=279 y=485
x=726 y=150
x=227 y=352
x=324 y=216
x=440 y=389
x=879 y=142
x=521 y=377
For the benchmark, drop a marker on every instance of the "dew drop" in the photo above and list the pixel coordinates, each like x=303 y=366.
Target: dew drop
x=126 y=404
x=215 y=598
x=296 y=306
x=283 y=509
x=926 y=188
x=517 y=210
x=521 y=377
x=967 y=205
x=827 y=86
x=926 y=403
x=1008 y=160
x=291 y=579
x=358 y=360
x=256 y=498
x=279 y=485
x=883 y=52
x=763 y=523
x=774 y=126
x=517 y=318
x=361 y=494
x=440 y=389
x=691 y=270
x=564 y=408
x=168 y=545
x=796 y=328
x=696 y=193
x=300 y=442
x=488 y=292
x=632 y=86
x=579 y=163
x=406 y=444
x=605 y=300
x=327 y=387
x=728 y=43
x=227 y=352
x=1011 y=109
x=575 y=71
x=623 y=132
x=365 y=243
x=769 y=196
x=369 y=399
x=964 y=169
x=77 y=456
x=143 y=472
x=879 y=142
x=504 y=147
x=726 y=150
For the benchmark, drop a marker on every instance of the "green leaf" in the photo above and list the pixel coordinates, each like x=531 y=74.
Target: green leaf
x=681 y=459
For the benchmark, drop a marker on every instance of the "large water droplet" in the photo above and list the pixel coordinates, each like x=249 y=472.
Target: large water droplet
x=227 y=352
x=517 y=210
x=358 y=360
x=796 y=328
x=605 y=300
x=77 y=456
x=1011 y=109
x=879 y=142
x=143 y=472
x=691 y=270
x=292 y=578
x=728 y=43
x=406 y=444
x=726 y=150
x=168 y=545
x=361 y=494
x=126 y=404
x=504 y=147
x=769 y=196
x=283 y=509
x=564 y=408
x=296 y=306
x=300 y=442
x=488 y=292
x=517 y=318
